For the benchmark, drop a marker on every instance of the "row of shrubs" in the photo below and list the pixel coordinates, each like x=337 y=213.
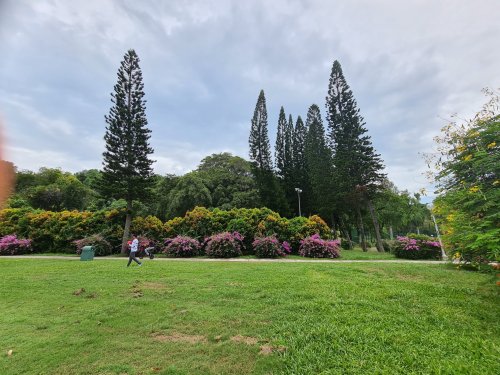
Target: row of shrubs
x=230 y=245
x=57 y=231
x=220 y=245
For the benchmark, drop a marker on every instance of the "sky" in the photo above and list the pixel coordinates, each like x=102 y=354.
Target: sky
x=410 y=64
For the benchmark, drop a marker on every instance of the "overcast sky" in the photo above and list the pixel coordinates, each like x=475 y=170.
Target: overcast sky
x=410 y=65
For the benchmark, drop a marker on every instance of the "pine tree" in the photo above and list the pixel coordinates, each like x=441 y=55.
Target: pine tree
x=288 y=154
x=279 y=150
x=127 y=172
x=299 y=176
x=357 y=166
x=270 y=191
x=260 y=150
x=318 y=163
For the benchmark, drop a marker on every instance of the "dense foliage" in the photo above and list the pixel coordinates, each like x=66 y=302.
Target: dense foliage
x=316 y=247
x=270 y=247
x=57 y=231
x=11 y=245
x=250 y=223
x=468 y=207
x=224 y=245
x=417 y=247
x=182 y=247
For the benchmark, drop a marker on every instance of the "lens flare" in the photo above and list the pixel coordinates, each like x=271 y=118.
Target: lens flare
x=6 y=172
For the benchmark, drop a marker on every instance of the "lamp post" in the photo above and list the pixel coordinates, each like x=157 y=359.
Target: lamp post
x=298 y=194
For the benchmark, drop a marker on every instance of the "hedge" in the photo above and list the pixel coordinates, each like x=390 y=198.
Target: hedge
x=55 y=231
x=251 y=223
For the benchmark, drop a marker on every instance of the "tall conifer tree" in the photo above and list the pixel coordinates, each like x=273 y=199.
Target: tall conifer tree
x=300 y=176
x=280 y=147
x=260 y=149
x=318 y=163
x=357 y=166
x=288 y=137
x=127 y=172
x=270 y=191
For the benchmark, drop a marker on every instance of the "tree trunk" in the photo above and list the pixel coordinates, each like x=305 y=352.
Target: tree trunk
x=418 y=230
x=345 y=231
x=126 y=230
x=391 y=234
x=380 y=247
x=362 y=231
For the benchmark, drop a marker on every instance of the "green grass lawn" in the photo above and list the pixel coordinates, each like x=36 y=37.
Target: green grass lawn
x=355 y=254
x=245 y=318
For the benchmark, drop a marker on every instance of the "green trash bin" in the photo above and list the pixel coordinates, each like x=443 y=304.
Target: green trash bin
x=87 y=253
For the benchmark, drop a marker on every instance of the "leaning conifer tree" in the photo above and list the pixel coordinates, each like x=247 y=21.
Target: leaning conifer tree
x=357 y=167
x=127 y=172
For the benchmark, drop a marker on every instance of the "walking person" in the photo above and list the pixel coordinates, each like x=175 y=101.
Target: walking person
x=133 y=250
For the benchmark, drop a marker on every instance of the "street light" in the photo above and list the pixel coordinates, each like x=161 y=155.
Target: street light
x=298 y=194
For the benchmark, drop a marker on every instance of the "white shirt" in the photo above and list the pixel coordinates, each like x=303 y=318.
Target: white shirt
x=135 y=245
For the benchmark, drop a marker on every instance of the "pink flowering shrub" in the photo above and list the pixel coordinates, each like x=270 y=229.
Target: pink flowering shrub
x=224 y=245
x=416 y=246
x=182 y=247
x=11 y=245
x=270 y=247
x=101 y=246
x=315 y=247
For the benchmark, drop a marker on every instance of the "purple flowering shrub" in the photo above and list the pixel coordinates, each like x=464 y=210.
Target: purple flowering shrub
x=11 y=245
x=270 y=247
x=101 y=246
x=182 y=247
x=315 y=247
x=415 y=246
x=224 y=245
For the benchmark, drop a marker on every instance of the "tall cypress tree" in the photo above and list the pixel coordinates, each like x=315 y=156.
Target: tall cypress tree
x=271 y=194
x=127 y=172
x=357 y=166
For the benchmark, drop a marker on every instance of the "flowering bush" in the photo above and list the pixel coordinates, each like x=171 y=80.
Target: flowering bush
x=315 y=247
x=182 y=247
x=250 y=222
x=97 y=241
x=270 y=247
x=417 y=247
x=224 y=245
x=11 y=245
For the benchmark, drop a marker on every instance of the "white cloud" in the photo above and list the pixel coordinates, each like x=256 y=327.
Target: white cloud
x=408 y=63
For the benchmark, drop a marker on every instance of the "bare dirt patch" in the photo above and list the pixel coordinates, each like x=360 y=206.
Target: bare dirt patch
x=153 y=285
x=269 y=349
x=235 y=284
x=179 y=337
x=245 y=339
x=79 y=291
